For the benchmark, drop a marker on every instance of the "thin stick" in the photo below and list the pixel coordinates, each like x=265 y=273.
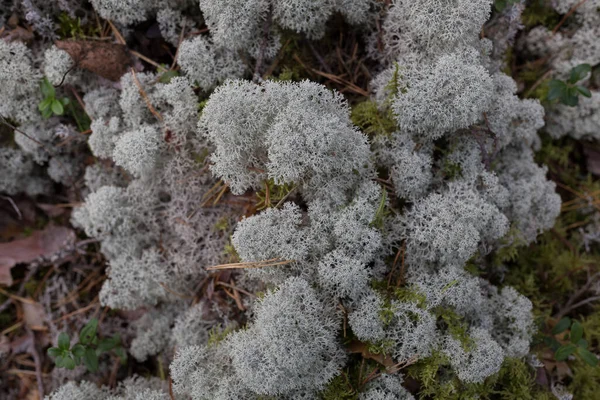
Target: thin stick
x=236 y=297
x=117 y=34
x=272 y=67
x=220 y=283
x=183 y=296
x=14 y=206
x=148 y=60
x=260 y=264
x=284 y=198
x=179 y=44
x=79 y=311
x=15 y=297
x=539 y=82
x=567 y=15
x=145 y=96
x=81 y=103
x=38 y=363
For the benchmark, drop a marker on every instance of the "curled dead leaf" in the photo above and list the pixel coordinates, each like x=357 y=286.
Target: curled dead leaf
x=34 y=314
x=40 y=244
x=363 y=349
x=109 y=60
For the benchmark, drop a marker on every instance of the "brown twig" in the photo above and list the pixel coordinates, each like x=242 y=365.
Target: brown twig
x=538 y=83
x=570 y=305
x=145 y=96
x=402 y=266
x=278 y=59
x=38 y=362
x=181 y=36
x=247 y=293
x=567 y=15
x=148 y=60
x=14 y=206
x=80 y=101
x=117 y=34
x=259 y=264
x=180 y=295
x=32 y=270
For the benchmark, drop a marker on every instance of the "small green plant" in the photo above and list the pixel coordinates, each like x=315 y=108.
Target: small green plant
x=71 y=28
x=501 y=5
x=50 y=105
x=568 y=92
x=381 y=212
x=166 y=76
x=87 y=351
x=272 y=194
x=577 y=344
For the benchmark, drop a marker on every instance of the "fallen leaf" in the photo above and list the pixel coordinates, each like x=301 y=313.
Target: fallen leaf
x=18 y=34
x=109 y=60
x=40 y=244
x=34 y=314
x=363 y=348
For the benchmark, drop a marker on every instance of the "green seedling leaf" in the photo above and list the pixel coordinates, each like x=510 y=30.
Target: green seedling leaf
x=564 y=352
x=47 y=113
x=107 y=344
x=54 y=352
x=556 y=89
x=552 y=343
x=588 y=357
x=576 y=332
x=584 y=91
x=45 y=104
x=88 y=332
x=60 y=361
x=78 y=350
x=582 y=343
x=167 y=76
x=561 y=326
x=90 y=360
x=570 y=97
x=579 y=72
x=47 y=89
x=69 y=362
x=57 y=107
x=64 y=342
x=120 y=352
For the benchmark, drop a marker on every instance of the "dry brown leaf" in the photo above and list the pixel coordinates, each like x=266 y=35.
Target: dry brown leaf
x=109 y=60
x=40 y=244
x=18 y=34
x=33 y=314
x=362 y=348
x=33 y=394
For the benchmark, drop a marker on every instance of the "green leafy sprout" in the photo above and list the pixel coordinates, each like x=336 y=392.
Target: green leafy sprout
x=568 y=92
x=50 y=105
x=88 y=350
x=577 y=344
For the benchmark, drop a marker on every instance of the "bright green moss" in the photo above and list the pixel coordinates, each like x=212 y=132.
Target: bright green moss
x=372 y=120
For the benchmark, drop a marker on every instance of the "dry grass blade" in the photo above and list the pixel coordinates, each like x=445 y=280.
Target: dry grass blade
x=145 y=96
x=243 y=265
